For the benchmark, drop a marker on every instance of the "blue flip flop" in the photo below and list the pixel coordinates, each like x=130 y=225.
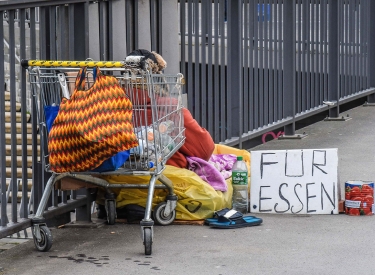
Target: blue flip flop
x=241 y=222
x=226 y=212
x=234 y=219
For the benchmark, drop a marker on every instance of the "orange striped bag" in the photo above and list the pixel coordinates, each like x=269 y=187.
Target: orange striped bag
x=92 y=126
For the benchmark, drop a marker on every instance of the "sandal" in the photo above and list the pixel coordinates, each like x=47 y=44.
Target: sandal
x=225 y=222
x=226 y=212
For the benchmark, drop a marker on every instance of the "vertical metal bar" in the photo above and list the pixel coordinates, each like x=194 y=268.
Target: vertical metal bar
x=153 y=24
x=364 y=36
x=266 y=67
x=223 y=70
x=63 y=53
x=102 y=30
x=197 y=96
x=316 y=54
x=358 y=45
x=129 y=25
x=289 y=54
x=52 y=32
x=203 y=75
x=268 y=62
x=246 y=65
x=71 y=32
x=348 y=42
x=34 y=131
x=183 y=35
x=228 y=90
x=261 y=64
x=160 y=29
x=345 y=41
x=42 y=33
x=110 y=30
x=308 y=59
x=333 y=49
x=256 y=65
x=81 y=30
x=136 y=24
x=342 y=47
x=85 y=32
x=190 y=75
x=362 y=42
x=3 y=213
x=312 y=45
x=325 y=49
x=367 y=16
x=371 y=49
x=347 y=48
x=351 y=42
x=235 y=65
x=209 y=122
x=321 y=41
x=275 y=55
x=251 y=65
x=216 y=134
x=355 y=43
x=280 y=61
x=53 y=56
x=271 y=66
x=304 y=68
x=13 y=99
x=23 y=211
x=298 y=55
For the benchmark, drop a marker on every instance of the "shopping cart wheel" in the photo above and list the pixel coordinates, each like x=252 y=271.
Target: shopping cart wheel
x=147 y=240
x=161 y=217
x=111 y=211
x=46 y=240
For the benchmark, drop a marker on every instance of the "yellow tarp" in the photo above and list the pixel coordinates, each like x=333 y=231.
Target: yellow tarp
x=196 y=198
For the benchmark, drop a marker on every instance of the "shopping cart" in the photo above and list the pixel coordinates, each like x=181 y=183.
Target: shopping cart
x=157 y=122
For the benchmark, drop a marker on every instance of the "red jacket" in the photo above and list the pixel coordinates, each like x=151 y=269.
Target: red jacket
x=198 y=143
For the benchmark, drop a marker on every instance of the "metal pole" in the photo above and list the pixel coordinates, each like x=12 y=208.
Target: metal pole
x=371 y=49
x=3 y=208
x=289 y=64
x=234 y=76
x=333 y=58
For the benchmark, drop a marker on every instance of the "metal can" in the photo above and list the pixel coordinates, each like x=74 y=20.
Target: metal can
x=359 y=198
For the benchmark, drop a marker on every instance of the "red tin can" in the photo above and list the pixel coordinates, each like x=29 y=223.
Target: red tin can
x=359 y=198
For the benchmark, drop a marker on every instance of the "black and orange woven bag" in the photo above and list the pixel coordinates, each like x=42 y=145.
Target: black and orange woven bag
x=92 y=126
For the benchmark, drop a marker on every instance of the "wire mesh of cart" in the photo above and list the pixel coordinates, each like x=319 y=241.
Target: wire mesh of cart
x=157 y=122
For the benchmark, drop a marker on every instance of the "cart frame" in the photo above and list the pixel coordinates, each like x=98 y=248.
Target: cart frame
x=131 y=73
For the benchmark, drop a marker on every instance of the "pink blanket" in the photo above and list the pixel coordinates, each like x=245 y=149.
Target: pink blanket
x=223 y=163
x=208 y=173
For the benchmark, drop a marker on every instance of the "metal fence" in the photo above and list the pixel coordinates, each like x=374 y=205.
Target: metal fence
x=251 y=66
x=255 y=66
x=52 y=30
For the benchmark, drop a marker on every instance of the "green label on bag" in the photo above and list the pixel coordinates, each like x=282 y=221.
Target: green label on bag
x=239 y=178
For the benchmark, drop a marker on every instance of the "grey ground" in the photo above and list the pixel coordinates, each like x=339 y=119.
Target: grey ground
x=283 y=244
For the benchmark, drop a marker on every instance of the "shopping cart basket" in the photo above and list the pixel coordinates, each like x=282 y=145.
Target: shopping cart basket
x=157 y=112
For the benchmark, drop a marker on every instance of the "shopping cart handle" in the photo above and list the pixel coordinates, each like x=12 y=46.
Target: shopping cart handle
x=72 y=64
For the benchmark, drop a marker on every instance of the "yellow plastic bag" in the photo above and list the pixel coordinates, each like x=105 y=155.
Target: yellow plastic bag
x=197 y=199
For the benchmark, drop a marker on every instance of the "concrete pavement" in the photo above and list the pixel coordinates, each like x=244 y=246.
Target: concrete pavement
x=283 y=244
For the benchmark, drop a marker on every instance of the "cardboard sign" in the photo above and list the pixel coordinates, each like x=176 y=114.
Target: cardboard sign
x=294 y=181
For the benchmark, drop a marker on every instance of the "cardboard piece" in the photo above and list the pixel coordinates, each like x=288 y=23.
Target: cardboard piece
x=303 y=181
